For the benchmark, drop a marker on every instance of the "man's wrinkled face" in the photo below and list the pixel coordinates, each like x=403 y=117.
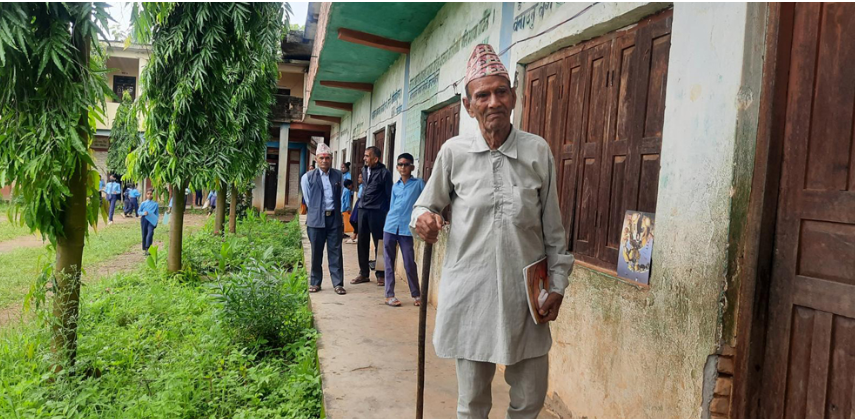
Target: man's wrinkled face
x=490 y=103
x=405 y=167
x=370 y=159
x=324 y=161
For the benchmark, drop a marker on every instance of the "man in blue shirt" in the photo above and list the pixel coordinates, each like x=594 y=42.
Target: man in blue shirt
x=322 y=189
x=396 y=232
x=148 y=222
x=114 y=192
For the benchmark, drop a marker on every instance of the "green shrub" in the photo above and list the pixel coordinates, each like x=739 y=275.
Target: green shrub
x=263 y=306
x=257 y=238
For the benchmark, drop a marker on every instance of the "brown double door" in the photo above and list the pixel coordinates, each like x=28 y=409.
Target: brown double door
x=809 y=366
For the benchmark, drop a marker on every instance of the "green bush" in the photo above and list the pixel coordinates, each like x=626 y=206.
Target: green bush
x=262 y=305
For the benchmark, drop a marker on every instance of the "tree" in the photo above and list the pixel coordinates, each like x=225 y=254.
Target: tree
x=254 y=74
x=124 y=136
x=188 y=97
x=50 y=95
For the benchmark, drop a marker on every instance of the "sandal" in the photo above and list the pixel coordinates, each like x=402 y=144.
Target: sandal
x=393 y=302
x=381 y=283
x=359 y=280
x=417 y=302
x=314 y=288
x=340 y=290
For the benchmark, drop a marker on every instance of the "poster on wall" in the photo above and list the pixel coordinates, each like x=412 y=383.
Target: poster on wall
x=636 y=247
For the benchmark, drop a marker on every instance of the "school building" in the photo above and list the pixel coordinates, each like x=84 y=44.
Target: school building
x=731 y=123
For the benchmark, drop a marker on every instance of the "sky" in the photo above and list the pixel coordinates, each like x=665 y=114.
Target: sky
x=121 y=12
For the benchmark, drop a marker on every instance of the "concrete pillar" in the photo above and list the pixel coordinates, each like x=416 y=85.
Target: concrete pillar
x=258 y=193
x=282 y=169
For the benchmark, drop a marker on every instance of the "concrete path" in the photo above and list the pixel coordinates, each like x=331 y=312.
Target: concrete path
x=369 y=352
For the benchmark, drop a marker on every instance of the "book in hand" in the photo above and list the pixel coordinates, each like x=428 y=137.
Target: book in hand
x=536 y=278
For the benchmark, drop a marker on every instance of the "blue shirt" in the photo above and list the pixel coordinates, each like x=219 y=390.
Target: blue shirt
x=345 y=199
x=346 y=176
x=329 y=203
x=133 y=193
x=359 y=192
x=404 y=196
x=101 y=185
x=113 y=188
x=150 y=207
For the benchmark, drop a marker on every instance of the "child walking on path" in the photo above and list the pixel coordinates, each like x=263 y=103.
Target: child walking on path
x=133 y=202
x=148 y=222
x=114 y=192
x=396 y=232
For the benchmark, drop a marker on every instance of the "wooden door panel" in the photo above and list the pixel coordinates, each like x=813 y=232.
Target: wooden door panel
x=810 y=356
x=573 y=98
x=380 y=142
x=594 y=114
x=441 y=125
x=622 y=79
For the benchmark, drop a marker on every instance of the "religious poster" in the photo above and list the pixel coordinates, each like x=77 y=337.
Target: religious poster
x=636 y=247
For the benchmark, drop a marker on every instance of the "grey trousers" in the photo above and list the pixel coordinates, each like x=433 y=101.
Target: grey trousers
x=527 y=378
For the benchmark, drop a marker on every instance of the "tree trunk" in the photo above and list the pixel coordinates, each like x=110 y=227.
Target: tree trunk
x=69 y=245
x=233 y=210
x=221 y=209
x=176 y=229
x=69 y=259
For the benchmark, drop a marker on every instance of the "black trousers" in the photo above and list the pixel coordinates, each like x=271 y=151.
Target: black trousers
x=370 y=224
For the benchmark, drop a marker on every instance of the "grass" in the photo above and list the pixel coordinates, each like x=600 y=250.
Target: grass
x=162 y=348
x=19 y=268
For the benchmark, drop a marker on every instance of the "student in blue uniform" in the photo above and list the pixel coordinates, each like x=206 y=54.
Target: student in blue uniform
x=212 y=202
x=148 y=222
x=346 y=195
x=133 y=201
x=114 y=192
x=396 y=231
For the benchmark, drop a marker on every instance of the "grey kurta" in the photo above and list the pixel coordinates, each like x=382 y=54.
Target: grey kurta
x=505 y=215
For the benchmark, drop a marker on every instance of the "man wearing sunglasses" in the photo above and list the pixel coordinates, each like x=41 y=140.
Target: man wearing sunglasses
x=396 y=232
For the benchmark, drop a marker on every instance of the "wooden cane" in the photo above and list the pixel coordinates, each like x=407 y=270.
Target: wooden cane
x=420 y=394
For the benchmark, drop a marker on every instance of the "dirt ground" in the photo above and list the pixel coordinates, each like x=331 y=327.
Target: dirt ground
x=131 y=259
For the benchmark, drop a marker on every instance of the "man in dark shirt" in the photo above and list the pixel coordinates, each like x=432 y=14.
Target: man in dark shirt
x=373 y=206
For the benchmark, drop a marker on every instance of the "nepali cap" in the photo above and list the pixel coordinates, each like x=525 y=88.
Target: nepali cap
x=323 y=149
x=484 y=62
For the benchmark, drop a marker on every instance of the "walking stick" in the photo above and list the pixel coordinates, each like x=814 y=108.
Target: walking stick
x=420 y=392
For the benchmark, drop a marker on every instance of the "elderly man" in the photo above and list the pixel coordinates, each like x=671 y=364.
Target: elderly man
x=322 y=193
x=500 y=183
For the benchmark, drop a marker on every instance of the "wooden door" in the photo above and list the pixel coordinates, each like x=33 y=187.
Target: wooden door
x=809 y=367
x=442 y=125
x=380 y=142
x=358 y=162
